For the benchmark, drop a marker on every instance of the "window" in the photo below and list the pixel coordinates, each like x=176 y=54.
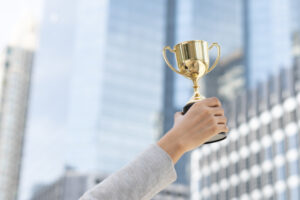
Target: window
x=280 y=147
x=281 y=174
x=218 y=176
x=248 y=162
x=200 y=184
x=282 y=196
x=294 y=167
x=270 y=178
x=7 y=64
x=227 y=194
x=236 y=168
x=294 y=141
x=268 y=153
x=237 y=191
x=227 y=172
x=258 y=182
x=207 y=181
x=248 y=188
x=257 y=157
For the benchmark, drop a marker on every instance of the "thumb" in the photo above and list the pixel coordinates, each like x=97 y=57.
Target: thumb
x=177 y=114
x=177 y=118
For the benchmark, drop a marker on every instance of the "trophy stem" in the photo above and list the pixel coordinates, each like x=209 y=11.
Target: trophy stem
x=196 y=96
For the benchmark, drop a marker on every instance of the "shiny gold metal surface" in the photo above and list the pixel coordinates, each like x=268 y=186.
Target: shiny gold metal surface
x=193 y=62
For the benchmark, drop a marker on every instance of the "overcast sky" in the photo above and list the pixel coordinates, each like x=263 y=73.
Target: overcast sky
x=11 y=12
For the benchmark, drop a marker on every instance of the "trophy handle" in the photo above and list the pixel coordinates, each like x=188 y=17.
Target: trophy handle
x=166 y=59
x=217 y=59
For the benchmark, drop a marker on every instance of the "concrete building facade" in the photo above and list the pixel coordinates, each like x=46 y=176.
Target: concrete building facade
x=15 y=73
x=260 y=158
x=16 y=63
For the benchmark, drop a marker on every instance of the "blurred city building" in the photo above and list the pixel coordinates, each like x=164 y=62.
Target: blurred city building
x=71 y=186
x=260 y=159
x=15 y=74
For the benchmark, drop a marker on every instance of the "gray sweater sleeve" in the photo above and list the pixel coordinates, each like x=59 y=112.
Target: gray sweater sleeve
x=141 y=179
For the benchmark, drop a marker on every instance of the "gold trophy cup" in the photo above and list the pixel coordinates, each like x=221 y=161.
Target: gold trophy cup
x=193 y=62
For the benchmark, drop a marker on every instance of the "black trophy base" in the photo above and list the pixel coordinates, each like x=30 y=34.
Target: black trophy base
x=219 y=137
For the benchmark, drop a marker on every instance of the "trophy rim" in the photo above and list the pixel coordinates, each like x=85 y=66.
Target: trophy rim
x=185 y=42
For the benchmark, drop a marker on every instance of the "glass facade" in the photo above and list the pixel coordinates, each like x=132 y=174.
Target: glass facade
x=86 y=87
x=269 y=51
x=132 y=84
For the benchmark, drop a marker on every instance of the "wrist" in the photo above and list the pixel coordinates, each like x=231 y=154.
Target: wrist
x=171 y=144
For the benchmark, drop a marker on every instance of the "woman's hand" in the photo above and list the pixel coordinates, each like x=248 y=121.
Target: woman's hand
x=203 y=120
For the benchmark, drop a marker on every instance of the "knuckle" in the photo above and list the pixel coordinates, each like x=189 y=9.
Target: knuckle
x=215 y=120
x=215 y=99
x=222 y=111
x=212 y=120
x=205 y=110
x=214 y=128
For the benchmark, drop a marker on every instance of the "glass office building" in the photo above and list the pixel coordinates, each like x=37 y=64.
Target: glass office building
x=260 y=158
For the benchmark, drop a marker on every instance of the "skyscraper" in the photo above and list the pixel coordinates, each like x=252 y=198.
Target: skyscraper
x=15 y=75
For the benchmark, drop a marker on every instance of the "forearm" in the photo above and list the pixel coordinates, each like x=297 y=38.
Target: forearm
x=149 y=173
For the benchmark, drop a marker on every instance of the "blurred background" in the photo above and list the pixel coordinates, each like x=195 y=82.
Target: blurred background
x=84 y=89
